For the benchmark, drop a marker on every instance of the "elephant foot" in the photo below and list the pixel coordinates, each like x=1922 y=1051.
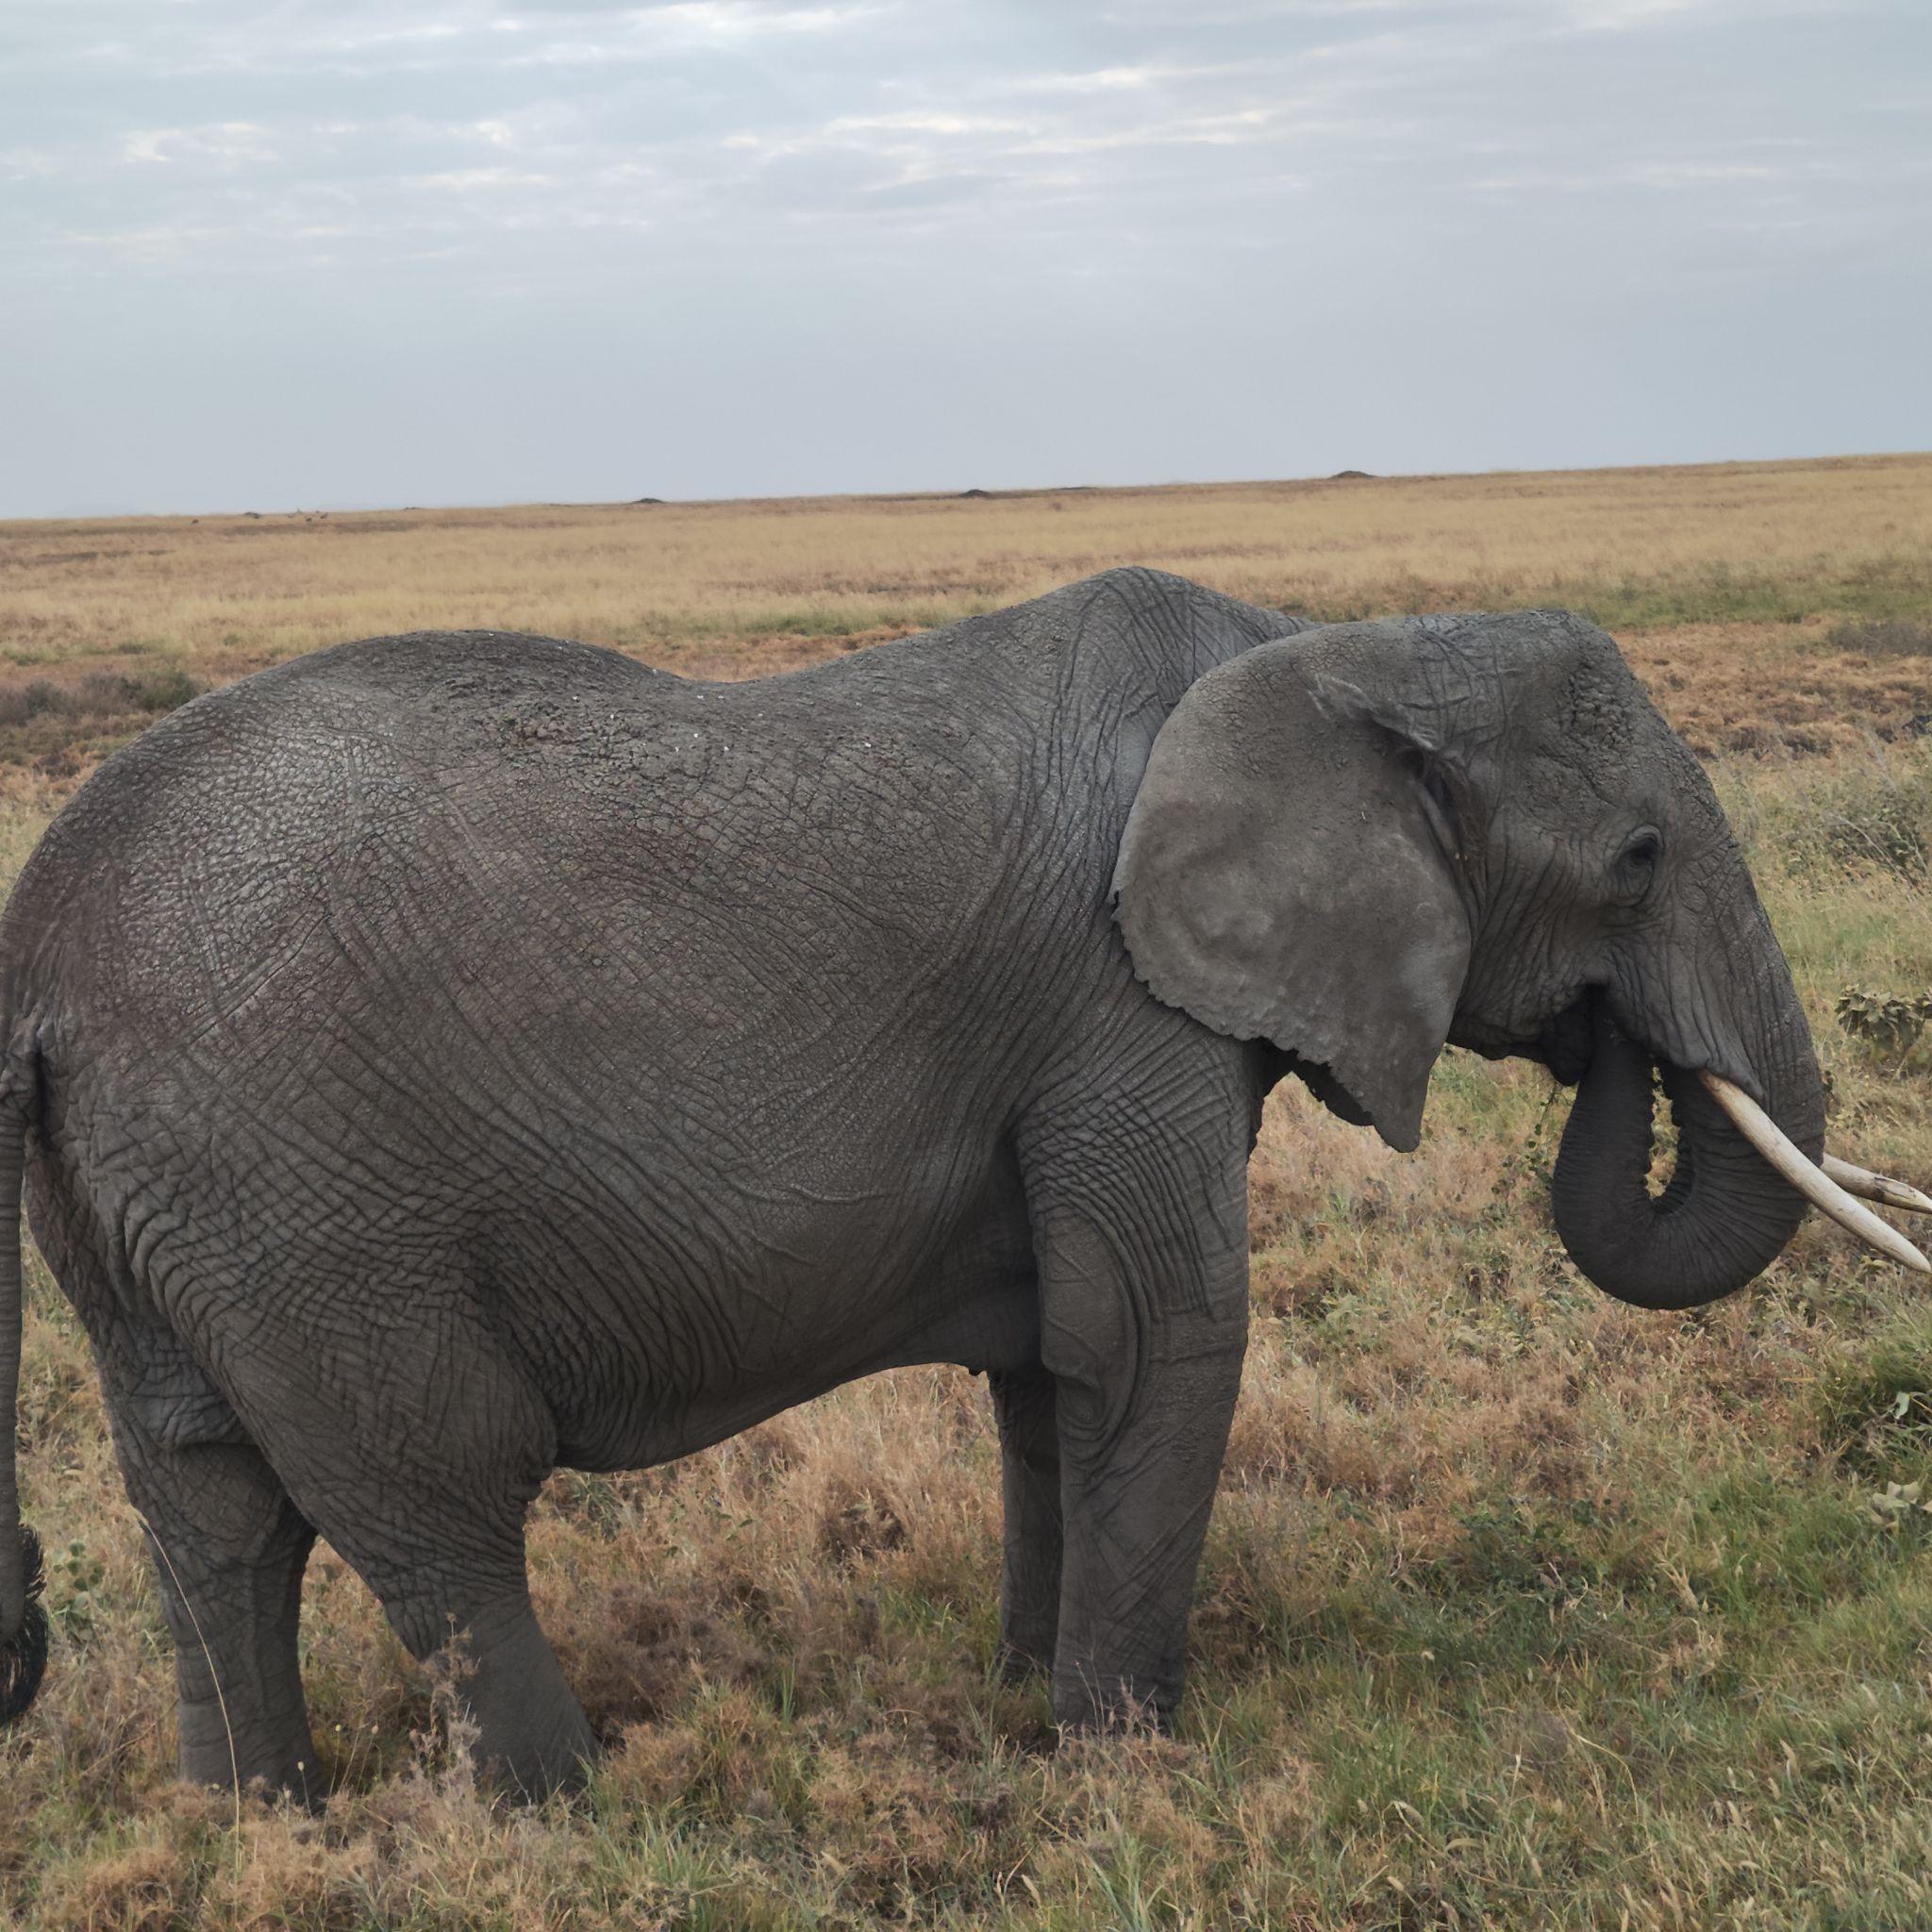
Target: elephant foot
x=1025 y=1656
x=532 y=1737
x=1084 y=1704
x=269 y=1760
x=549 y=1751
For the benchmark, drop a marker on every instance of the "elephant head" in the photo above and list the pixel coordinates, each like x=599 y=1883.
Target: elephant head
x=1372 y=840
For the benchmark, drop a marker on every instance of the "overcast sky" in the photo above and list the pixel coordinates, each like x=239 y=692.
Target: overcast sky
x=377 y=252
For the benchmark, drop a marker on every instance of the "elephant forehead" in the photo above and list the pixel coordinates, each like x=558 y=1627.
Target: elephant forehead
x=1600 y=746
x=1600 y=710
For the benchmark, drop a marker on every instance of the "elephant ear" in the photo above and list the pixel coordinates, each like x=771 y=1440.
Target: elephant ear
x=1289 y=870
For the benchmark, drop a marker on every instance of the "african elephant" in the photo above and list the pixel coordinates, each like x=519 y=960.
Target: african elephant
x=445 y=1058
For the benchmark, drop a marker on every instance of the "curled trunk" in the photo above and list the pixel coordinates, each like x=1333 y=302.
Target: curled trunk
x=1726 y=1213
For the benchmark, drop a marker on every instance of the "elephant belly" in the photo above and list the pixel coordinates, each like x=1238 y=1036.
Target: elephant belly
x=996 y=1330
x=700 y=1345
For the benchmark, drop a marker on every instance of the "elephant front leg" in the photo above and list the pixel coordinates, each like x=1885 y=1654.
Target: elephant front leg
x=1024 y=1402
x=1141 y=1466
x=1144 y=1336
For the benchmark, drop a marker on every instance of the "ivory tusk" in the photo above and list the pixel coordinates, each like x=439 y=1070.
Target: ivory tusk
x=1812 y=1182
x=1876 y=1187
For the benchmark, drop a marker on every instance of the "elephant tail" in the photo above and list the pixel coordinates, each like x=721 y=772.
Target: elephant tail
x=23 y=1620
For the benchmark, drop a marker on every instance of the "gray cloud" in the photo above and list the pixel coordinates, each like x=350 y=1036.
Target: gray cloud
x=482 y=250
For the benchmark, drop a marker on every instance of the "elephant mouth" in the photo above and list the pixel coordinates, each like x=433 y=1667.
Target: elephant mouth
x=1563 y=1043
x=1566 y=1043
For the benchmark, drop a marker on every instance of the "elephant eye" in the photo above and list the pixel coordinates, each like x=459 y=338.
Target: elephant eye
x=1637 y=861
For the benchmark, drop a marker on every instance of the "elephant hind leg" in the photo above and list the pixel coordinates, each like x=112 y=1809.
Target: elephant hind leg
x=532 y=1737
x=418 y=1465
x=229 y=1544
x=229 y=1548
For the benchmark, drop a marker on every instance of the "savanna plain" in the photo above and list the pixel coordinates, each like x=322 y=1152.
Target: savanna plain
x=1520 y=1609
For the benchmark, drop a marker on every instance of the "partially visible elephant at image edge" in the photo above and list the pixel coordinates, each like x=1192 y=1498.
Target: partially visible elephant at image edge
x=441 y=1058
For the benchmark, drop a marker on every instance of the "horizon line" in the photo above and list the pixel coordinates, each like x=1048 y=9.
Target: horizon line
x=970 y=493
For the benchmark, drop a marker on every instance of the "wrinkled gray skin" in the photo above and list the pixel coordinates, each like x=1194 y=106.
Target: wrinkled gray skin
x=445 y=1058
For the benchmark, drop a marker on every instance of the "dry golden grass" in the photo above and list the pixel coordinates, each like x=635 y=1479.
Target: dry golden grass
x=738 y=587
x=102 y=621
x=1520 y=1607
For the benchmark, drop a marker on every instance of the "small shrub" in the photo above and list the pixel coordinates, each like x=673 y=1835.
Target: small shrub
x=52 y=722
x=1890 y=1021
x=1889 y=834
x=1505 y=1550
x=1898 y=1503
x=1875 y=1414
x=1893 y=637
x=35 y=700
x=78 y=1580
x=1873 y=816
x=166 y=690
